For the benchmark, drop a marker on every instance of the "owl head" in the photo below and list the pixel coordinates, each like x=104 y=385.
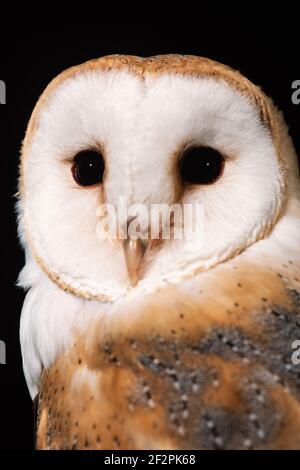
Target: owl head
x=162 y=131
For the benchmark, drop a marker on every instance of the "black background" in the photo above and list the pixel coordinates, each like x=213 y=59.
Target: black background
x=263 y=49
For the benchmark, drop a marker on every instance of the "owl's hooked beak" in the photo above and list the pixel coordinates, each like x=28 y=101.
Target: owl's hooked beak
x=134 y=251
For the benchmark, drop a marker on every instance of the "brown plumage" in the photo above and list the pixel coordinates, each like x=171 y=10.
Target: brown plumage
x=212 y=371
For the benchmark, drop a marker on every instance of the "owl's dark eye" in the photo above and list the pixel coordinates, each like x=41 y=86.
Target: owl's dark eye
x=88 y=168
x=201 y=165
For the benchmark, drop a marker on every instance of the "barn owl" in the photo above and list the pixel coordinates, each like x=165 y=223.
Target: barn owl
x=172 y=343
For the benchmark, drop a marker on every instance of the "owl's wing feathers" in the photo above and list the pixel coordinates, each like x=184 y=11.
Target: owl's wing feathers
x=207 y=365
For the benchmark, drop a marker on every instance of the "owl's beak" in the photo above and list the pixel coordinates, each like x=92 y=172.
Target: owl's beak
x=134 y=251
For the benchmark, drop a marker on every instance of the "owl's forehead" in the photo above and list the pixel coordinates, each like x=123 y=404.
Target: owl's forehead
x=156 y=66
x=127 y=79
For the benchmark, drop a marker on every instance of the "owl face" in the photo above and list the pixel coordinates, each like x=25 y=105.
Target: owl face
x=159 y=131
